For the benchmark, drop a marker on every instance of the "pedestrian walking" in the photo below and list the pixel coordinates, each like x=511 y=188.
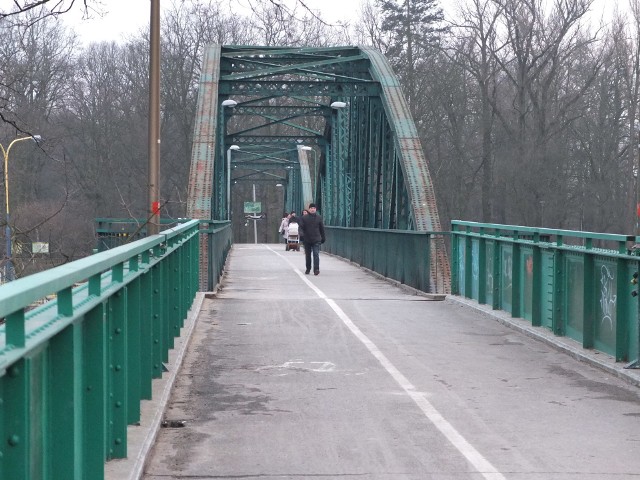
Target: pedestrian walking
x=313 y=234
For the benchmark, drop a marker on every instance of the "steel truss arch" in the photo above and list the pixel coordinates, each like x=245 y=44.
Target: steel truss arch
x=369 y=166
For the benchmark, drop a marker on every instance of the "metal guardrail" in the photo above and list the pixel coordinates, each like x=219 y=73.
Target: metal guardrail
x=402 y=255
x=215 y=242
x=578 y=284
x=74 y=369
x=113 y=232
x=214 y=249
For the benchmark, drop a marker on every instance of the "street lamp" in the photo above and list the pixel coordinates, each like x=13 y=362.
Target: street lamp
x=232 y=147
x=315 y=171
x=9 y=266
x=338 y=105
x=230 y=104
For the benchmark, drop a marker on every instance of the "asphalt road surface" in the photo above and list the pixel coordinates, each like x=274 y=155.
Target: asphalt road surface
x=344 y=376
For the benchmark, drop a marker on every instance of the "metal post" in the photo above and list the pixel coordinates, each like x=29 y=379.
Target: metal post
x=255 y=225
x=7 y=231
x=154 y=121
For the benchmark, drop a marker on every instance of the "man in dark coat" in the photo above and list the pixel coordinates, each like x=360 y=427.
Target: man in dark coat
x=313 y=233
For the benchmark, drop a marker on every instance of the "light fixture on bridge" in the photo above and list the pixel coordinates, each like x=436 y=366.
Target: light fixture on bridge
x=229 y=103
x=337 y=105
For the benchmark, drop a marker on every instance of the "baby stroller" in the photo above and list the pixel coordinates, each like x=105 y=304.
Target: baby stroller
x=293 y=238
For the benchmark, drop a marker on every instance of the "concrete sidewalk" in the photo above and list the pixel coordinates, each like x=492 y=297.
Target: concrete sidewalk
x=377 y=361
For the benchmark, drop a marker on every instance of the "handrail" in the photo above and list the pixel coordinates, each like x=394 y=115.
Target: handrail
x=579 y=290
x=74 y=369
x=407 y=256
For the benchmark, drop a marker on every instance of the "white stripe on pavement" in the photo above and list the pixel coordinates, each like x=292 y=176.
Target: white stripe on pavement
x=480 y=463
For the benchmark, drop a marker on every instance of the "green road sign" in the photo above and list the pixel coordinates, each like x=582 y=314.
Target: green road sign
x=252 y=207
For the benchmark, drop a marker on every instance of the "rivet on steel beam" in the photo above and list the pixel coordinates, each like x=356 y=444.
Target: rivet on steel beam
x=118 y=441
x=155 y=315
x=14 y=371
x=118 y=331
x=14 y=440
x=118 y=368
x=156 y=341
x=118 y=404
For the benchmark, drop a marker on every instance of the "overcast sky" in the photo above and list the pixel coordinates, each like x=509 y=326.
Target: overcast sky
x=128 y=16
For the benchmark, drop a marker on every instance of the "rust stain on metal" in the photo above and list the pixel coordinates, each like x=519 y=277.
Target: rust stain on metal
x=204 y=138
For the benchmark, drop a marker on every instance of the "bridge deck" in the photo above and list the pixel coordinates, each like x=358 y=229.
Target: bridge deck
x=344 y=375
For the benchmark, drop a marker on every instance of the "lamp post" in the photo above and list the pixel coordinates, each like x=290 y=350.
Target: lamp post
x=232 y=147
x=228 y=103
x=315 y=171
x=5 y=153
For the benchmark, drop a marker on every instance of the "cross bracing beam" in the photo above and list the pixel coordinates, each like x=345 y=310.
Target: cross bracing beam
x=322 y=68
x=275 y=139
x=275 y=121
x=267 y=111
x=292 y=87
x=369 y=167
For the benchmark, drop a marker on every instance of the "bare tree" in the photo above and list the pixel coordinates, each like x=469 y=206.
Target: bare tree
x=475 y=50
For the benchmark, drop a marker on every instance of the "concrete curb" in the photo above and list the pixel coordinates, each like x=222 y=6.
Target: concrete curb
x=141 y=438
x=566 y=345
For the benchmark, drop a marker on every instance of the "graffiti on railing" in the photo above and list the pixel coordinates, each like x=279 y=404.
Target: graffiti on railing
x=507 y=269
x=608 y=297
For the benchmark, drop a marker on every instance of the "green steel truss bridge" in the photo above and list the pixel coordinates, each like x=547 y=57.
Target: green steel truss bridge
x=83 y=344
x=331 y=124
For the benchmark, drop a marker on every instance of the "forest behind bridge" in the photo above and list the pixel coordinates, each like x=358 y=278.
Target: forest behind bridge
x=527 y=110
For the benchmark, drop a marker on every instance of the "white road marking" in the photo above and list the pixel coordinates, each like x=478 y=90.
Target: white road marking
x=480 y=463
x=319 y=367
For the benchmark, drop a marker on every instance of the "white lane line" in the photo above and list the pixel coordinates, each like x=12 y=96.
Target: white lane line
x=480 y=463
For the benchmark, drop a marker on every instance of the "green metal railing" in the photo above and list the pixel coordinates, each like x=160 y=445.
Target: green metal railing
x=218 y=243
x=74 y=369
x=215 y=242
x=578 y=284
x=113 y=232
x=402 y=255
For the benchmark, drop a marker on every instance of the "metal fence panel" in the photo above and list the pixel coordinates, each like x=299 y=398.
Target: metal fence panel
x=402 y=255
x=73 y=369
x=573 y=283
